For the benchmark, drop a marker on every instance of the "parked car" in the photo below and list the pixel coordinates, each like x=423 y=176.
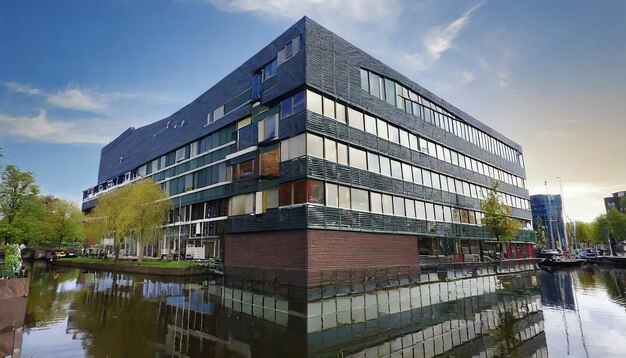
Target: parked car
x=587 y=254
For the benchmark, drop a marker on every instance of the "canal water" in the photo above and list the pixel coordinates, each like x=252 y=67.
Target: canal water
x=75 y=313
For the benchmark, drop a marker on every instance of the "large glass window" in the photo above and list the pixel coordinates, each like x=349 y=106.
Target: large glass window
x=285 y=194
x=387 y=204
x=374 y=83
x=329 y=108
x=385 y=166
x=340 y=112
x=409 y=208
x=316 y=191
x=372 y=162
x=370 y=124
x=315 y=145
x=420 y=210
x=268 y=128
x=427 y=178
x=330 y=150
x=344 y=197
x=394 y=134
x=359 y=199
x=299 y=191
x=358 y=158
x=342 y=153
x=332 y=195
x=365 y=81
x=407 y=172
x=314 y=102
x=243 y=170
x=269 y=161
x=430 y=211
x=398 y=206
x=376 y=202
x=439 y=213
x=382 y=129
x=269 y=70
x=355 y=119
x=417 y=176
x=396 y=169
x=242 y=204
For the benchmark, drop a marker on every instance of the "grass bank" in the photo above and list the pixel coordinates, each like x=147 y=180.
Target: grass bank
x=151 y=267
x=147 y=263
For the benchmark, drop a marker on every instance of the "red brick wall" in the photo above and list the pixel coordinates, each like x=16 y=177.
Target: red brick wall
x=346 y=249
x=277 y=249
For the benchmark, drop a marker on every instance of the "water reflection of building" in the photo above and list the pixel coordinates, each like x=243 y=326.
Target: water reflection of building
x=206 y=318
x=558 y=290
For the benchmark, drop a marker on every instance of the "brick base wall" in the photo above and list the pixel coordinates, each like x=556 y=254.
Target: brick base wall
x=314 y=258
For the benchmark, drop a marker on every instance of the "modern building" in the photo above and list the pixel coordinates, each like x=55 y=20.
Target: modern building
x=547 y=211
x=314 y=158
x=613 y=201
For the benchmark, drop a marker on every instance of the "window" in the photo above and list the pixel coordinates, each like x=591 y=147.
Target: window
x=423 y=145
x=242 y=204
x=436 y=183
x=394 y=134
x=417 y=176
x=293 y=147
x=376 y=203
x=398 y=206
x=315 y=145
x=295 y=192
x=314 y=102
x=285 y=194
x=382 y=129
x=447 y=214
x=316 y=191
x=299 y=191
x=387 y=204
x=396 y=169
x=329 y=108
x=409 y=207
x=390 y=92
x=420 y=210
x=439 y=213
x=340 y=112
x=180 y=154
x=404 y=138
x=407 y=172
x=269 y=70
x=292 y=105
x=332 y=195
x=270 y=199
x=344 y=197
x=269 y=161
x=359 y=199
x=358 y=158
x=427 y=178
x=355 y=119
x=370 y=124
x=365 y=81
x=243 y=170
x=413 y=142
x=385 y=166
x=342 y=153
x=218 y=113
x=430 y=211
x=330 y=150
x=268 y=128
x=374 y=83
x=372 y=162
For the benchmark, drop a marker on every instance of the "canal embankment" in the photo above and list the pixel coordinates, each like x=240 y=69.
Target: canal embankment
x=160 y=268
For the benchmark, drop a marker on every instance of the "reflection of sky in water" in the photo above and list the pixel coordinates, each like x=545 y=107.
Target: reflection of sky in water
x=67 y=286
x=601 y=321
x=51 y=341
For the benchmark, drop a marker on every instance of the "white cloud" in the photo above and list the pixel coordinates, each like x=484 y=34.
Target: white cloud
x=363 y=11
x=42 y=129
x=80 y=99
x=436 y=41
x=22 y=88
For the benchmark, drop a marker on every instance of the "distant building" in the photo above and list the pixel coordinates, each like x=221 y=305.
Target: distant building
x=613 y=201
x=548 y=213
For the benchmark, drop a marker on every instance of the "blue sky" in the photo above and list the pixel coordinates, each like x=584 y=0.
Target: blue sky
x=548 y=74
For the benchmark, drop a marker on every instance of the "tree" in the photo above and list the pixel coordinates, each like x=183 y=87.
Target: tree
x=64 y=220
x=498 y=216
x=617 y=223
x=540 y=230
x=598 y=229
x=109 y=207
x=20 y=209
x=145 y=214
x=136 y=210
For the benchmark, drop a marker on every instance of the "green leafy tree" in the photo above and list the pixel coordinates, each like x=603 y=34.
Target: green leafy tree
x=498 y=216
x=64 y=221
x=20 y=209
x=137 y=210
x=108 y=210
x=617 y=224
x=145 y=214
x=598 y=229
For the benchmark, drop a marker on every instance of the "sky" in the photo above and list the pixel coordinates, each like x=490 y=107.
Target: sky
x=548 y=74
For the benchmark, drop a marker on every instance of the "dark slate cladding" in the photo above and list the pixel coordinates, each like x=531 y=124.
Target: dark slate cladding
x=333 y=67
x=136 y=147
